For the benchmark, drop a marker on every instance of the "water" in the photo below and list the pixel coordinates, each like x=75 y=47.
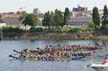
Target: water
x=8 y=64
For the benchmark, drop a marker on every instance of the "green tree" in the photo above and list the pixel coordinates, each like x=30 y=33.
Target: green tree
x=53 y=19
x=105 y=18
x=96 y=18
x=58 y=18
x=32 y=20
x=47 y=20
x=23 y=15
x=61 y=18
x=91 y=25
x=29 y=19
x=66 y=15
x=12 y=32
x=52 y=22
x=105 y=10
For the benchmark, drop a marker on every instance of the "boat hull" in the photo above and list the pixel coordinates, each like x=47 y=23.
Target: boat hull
x=99 y=67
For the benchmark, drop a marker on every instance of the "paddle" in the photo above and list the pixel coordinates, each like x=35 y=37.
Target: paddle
x=14 y=57
x=16 y=51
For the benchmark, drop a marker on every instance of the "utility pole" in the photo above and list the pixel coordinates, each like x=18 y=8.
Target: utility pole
x=1 y=36
x=1 y=31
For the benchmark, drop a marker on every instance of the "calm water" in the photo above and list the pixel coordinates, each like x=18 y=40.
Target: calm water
x=8 y=64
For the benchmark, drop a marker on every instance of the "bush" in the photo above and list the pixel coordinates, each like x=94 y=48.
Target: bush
x=83 y=29
x=39 y=29
x=90 y=29
x=74 y=30
x=57 y=30
x=65 y=29
x=11 y=32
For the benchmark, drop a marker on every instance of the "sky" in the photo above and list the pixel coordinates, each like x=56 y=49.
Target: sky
x=48 y=5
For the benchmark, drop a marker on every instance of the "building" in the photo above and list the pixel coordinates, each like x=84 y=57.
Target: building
x=9 y=14
x=79 y=22
x=36 y=11
x=2 y=23
x=73 y=14
x=10 y=19
x=100 y=12
x=79 y=11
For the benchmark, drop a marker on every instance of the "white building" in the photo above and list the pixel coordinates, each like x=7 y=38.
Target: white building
x=2 y=23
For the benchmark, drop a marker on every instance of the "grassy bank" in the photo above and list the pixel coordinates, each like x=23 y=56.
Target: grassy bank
x=57 y=34
x=57 y=37
x=101 y=37
x=52 y=36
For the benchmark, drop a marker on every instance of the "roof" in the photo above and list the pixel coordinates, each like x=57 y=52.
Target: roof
x=11 y=20
x=1 y=21
x=82 y=19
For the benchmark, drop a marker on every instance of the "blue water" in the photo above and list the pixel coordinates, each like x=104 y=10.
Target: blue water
x=9 y=64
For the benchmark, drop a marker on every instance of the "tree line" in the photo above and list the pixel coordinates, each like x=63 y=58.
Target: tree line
x=100 y=22
x=57 y=18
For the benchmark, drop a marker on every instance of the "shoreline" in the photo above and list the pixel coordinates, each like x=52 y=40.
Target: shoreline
x=58 y=36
